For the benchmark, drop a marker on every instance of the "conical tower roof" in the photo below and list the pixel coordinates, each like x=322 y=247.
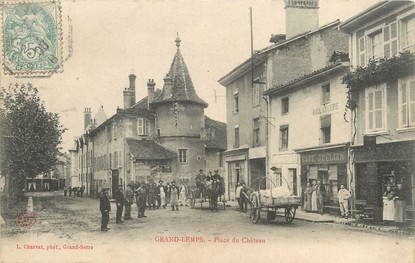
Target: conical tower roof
x=181 y=89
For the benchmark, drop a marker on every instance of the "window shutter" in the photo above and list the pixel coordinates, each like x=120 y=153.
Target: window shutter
x=140 y=126
x=404 y=105
x=370 y=111
x=412 y=102
x=362 y=57
x=135 y=127
x=394 y=39
x=387 y=45
x=378 y=109
x=147 y=126
x=119 y=159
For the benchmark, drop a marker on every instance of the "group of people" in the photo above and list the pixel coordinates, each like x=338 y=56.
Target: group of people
x=144 y=194
x=202 y=180
x=314 y=197
x=394 y=209
x=77 y=191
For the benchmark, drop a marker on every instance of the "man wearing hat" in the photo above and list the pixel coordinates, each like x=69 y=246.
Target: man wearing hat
x=119 y=200
x=161 y=195
x=141 y=200
x=105 y=208
x=129 y=199
x=216 y=176
x=200 y=181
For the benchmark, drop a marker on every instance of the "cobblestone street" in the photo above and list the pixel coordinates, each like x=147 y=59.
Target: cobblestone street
x=65 y=225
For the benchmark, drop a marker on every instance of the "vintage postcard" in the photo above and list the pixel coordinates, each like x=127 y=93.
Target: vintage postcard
x=208 y=131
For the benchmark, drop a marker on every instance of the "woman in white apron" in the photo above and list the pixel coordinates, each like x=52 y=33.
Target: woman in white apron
x=388 y=204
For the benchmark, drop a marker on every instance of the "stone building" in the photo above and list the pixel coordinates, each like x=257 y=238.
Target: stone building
x=165 y=135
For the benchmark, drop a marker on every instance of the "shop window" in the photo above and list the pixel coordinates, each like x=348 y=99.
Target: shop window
x=325 y=93
x=285 y=105
x=182 y=155
x=284 y=137
x=407 y=103
x=375 y=108
x=325 y=128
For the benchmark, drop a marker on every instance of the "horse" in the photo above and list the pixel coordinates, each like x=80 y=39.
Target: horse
x=213 y=190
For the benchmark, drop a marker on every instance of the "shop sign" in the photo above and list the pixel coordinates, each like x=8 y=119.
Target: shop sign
x=323 y=157
x=326 y=108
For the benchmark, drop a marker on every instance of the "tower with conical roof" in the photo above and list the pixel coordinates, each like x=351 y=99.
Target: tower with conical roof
x=180 y=118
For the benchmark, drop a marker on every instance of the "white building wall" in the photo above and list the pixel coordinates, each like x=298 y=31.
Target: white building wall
x=303 y=121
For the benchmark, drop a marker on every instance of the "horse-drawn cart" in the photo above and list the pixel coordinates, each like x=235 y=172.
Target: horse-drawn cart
x=212 y=194
x=271 y=200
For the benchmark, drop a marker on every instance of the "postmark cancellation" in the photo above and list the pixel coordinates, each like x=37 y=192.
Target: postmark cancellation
x=31 y=37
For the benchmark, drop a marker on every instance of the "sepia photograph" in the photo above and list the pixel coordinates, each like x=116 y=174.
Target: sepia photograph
x=207 y=131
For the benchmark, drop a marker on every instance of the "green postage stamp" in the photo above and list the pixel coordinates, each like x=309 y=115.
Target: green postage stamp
x=31 y=38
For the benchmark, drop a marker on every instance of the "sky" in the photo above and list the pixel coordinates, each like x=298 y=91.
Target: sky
x=112 y=38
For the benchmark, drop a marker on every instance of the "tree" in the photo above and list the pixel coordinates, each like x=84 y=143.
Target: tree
x=31 y=136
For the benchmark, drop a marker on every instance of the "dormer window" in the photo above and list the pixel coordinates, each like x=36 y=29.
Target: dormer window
x=143 y=126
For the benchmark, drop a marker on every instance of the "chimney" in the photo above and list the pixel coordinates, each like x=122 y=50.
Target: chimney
x=150 y=90
x=168 y=87
x=300 y=16
x=87 y=117
x=129 y=93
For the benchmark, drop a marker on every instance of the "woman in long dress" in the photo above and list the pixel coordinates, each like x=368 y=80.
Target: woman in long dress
x=400 y=206
x=314 y=204
x=307 y=197
x=174 y=198
x=388 y=204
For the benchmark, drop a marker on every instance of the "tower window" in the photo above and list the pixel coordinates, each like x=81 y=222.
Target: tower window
x=182 y=155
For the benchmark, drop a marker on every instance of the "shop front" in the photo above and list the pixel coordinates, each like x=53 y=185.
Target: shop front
x=327 y=164
x=380 y=165
x=237 y=167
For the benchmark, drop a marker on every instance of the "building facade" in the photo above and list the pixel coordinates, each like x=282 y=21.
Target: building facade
x=164 y=136
x=382 y=102
x=255 y=122
x=310 y=138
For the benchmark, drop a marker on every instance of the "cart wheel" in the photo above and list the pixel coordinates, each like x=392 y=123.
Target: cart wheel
x=255 y=209
x=289 y=214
